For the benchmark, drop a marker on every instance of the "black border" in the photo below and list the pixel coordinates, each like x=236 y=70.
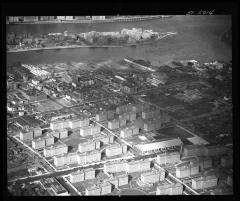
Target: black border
x=121 y=8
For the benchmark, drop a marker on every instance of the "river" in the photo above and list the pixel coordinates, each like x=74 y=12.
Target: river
x=198 y=38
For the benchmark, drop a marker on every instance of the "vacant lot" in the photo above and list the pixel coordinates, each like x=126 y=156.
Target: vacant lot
x=48 y=105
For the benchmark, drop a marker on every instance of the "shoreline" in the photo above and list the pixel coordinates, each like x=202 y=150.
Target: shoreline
x=89 y=21
x=88 y=46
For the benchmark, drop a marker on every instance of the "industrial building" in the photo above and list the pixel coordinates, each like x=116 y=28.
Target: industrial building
x=37 y=132
x=77 y=176
x=172 y=157
x=187 y=170
x=26 y=135
x=215 y=150
x=54 y=185
x=204 y=182
x=193 y=150
x=148 y=148
x=152 y=176
x=55 y=150
x=165 y=188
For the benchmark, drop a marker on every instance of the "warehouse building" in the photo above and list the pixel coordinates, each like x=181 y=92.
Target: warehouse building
x=215 y=150
x=77 y=176
x=26 y=135
x=193 y=150
x=149 y=148
x=37 y=132
x=55 y=186
x=113 y=124
x=165 y=188
x=38 y=143
x=55 y=150
x=204 y=182
x=172 y=157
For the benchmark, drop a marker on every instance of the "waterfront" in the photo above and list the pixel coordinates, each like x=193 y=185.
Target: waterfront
x=197 y=38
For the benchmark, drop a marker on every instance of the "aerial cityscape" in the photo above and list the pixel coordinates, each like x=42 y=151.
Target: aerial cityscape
x=119 y=105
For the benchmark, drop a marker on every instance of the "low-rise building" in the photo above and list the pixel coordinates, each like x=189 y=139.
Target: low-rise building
x=204 y=182
x=37 y=132
x=106 y=188
x=165 y=188
x=122 y=179
x=89 y=174
x=26 y=135
x=113 y=124
x=113 y=150
x=55 y=186
x=172 y=157
x=38 y=143
x=87 y=146
x=226 y=161
x=93 y=190
x=55 y=150
x=77 y=176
